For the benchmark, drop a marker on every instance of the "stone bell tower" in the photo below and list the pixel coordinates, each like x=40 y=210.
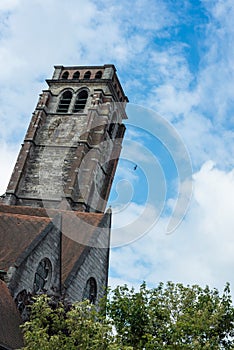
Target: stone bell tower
x=71 y=149
x=54 y=229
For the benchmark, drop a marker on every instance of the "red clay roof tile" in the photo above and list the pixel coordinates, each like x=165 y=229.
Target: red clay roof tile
x=10 y=333
x=17 y=231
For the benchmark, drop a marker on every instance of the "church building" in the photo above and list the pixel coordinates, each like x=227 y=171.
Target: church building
x=54 y=222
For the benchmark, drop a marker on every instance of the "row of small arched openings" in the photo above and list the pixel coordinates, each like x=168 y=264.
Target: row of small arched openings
x=77 y=75
x=87 y=76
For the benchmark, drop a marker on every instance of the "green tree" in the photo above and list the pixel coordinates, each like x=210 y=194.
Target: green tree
x=55 y=326
x=170 y=317
x=173 y=317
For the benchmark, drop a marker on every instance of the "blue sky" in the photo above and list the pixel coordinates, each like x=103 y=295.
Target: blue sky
x=174 y=60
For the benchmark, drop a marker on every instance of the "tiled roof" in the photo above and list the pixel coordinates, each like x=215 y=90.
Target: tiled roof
x=17 y=231
x=10 y=334
x=20 y=226
x=16 y=209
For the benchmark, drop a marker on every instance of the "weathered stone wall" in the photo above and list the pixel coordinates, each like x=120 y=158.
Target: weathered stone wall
x=68 y=155
x=46 y=173
x=93 y=263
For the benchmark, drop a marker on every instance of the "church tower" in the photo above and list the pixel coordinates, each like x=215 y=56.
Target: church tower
x=71 y=149
x=54 y=227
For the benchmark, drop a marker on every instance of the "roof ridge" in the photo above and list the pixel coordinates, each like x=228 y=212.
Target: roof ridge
x=23 y=216
x=44 y=212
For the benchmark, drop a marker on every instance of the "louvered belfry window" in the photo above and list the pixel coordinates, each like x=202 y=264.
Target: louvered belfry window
x=80 y=101
x=64 y=102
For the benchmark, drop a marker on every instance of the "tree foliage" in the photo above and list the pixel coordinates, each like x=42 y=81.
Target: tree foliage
x=170 y=317
x=173 y=317
x=54 y=325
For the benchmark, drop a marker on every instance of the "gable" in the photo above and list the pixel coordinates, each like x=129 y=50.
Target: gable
x=80 y=232
x=38 y=268
x=92 y=261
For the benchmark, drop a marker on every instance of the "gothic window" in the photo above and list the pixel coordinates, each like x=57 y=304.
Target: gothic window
x=76 y=75
x=80 y=101
x=21 y=300
x=87 y=75
x=64 y=102
x=65 y=75
x=90 y=291
x=98 y=75
x=42 y=276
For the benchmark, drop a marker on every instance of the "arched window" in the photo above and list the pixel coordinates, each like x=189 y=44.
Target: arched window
x=64 y=102
x=98 y=75
x=87 y=75
x=21 y=300
x=90 y=291
x=76 y=75
x=42 y=276
x=80 y=101
x=65 y=75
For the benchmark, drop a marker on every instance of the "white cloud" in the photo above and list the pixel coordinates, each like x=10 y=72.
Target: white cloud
x=132 y=221
x=199 y=251
x=7 y=5
x=200 y=104
x=8 y=158
x=36 y=35
x=40 y=34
